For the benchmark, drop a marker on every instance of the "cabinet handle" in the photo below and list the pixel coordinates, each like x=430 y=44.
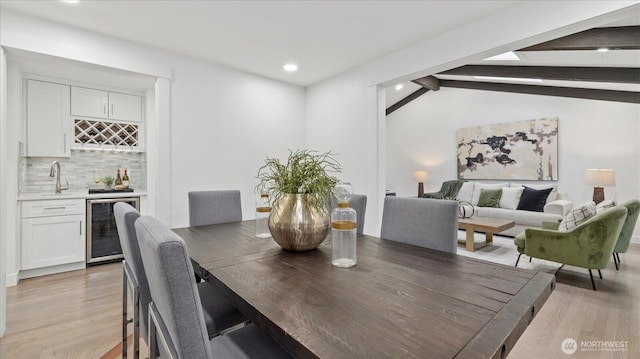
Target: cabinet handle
x=111 y=109
x=104 y=108
x=64 y=142
x=80 y=227
x=49 y=208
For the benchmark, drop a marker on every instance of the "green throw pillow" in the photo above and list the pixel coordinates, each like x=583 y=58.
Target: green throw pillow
x=489 y=197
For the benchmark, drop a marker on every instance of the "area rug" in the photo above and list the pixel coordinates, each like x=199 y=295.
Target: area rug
x=503 y=251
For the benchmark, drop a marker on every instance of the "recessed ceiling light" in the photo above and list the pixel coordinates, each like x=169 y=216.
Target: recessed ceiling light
x=603 y=49
x=517 y=79
x=399 y=87
x=507 y=56
x=71 y=1
x=291 y=67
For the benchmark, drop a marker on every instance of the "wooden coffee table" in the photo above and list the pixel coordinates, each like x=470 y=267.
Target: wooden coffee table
x=482 y=224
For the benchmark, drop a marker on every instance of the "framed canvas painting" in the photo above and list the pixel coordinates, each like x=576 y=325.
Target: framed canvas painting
x=524 y=150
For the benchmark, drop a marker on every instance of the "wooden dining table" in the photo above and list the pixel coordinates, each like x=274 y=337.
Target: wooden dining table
x=399 y=301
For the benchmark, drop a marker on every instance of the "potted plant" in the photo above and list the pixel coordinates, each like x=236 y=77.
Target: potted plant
x=300 y=192
x=108 y=181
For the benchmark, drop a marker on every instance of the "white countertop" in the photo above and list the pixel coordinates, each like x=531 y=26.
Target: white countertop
x=73 y=195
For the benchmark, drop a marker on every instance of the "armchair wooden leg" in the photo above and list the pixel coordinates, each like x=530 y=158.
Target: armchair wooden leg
x=615 y=261
x=593 y=283
x=600 y=273
x=618 y=256
x=518 y=260
x=529 y=259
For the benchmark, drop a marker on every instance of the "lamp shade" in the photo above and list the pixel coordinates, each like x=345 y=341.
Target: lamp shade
x=420 y=176
x=599 y=177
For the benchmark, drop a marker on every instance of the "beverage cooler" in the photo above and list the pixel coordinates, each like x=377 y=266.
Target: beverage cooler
x=103 y=243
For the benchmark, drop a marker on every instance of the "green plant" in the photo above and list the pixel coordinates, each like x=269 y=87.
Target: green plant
x=108 y=180
x=304 y=172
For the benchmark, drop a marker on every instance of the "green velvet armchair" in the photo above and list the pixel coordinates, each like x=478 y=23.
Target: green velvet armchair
x=633 y=208
x=589 y=245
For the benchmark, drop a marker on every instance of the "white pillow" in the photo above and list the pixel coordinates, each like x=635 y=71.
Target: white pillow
x=552 y=195
x=602 y=206
x=510 y=197
x=577 y=215
x=466 y=192
x=479 y=186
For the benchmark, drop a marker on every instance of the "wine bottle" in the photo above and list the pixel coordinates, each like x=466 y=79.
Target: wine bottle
x=125 y=179
x=118 y=179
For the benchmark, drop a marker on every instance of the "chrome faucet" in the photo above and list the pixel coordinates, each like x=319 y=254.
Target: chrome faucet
x=55 y=171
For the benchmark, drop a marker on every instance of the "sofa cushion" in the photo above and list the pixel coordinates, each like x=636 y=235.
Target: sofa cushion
x=479 y=186
x=510 y=197
x=533 y=199
x=525 y=218
x=466 y=192
x=602 y=206
x=552 y=196
x=489 y=197
x=577 y=215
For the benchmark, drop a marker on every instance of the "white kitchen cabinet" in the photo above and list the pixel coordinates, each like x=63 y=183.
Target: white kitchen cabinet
x=49 y=126
x=53 y=233
x=88 y=102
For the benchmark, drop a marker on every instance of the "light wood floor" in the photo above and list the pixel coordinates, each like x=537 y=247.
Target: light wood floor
x=77 y=314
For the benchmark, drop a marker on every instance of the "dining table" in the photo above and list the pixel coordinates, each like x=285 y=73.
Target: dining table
x=399 y=301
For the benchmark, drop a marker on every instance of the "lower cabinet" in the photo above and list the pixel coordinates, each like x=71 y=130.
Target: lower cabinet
x=53 y=233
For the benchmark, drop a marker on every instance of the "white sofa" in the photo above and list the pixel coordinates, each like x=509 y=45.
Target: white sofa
x=555 y=208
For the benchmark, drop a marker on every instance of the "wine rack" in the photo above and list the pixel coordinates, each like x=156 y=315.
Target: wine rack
x=103 y=134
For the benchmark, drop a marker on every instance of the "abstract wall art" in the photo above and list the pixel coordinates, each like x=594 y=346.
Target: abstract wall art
x=524 y=150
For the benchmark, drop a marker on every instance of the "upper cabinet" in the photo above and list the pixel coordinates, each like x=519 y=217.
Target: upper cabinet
x=48 y=122
x=88 y=102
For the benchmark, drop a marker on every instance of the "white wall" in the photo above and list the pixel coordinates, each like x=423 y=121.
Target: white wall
x=591 y=134
x=3 y=202
x=223 y=125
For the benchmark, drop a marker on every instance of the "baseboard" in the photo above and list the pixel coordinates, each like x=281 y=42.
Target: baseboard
x=51 y=270
x=12 y=279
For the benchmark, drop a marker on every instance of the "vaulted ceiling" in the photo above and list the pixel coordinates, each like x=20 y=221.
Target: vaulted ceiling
x=616 y=79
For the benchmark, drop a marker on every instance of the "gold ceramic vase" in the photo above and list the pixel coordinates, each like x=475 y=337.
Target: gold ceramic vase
x=296 y=224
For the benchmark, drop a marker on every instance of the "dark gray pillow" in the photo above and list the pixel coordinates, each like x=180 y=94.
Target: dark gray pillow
x=533 y=199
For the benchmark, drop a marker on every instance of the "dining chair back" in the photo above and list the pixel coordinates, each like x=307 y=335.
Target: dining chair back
x=219 y=314
x=176 y=309
x=134 y=279
x=424 y=222
x=213 y=207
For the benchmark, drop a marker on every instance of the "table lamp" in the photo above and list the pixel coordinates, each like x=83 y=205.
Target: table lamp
x=420 y=177
x=599 y=178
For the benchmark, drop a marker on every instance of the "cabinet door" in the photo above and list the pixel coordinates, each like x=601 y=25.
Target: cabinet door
x=48 y=241
x=125 y=107
x=48 y=122
x=89 y=102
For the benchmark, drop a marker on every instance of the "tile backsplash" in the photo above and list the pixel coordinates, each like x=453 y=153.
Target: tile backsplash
x=80 y=170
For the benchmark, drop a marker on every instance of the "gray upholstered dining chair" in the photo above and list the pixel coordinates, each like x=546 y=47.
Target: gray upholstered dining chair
x=219 y=314
x=633 y=208
x=213 y=207
x=429 y=223
x=359 y=203
x=176 y=315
